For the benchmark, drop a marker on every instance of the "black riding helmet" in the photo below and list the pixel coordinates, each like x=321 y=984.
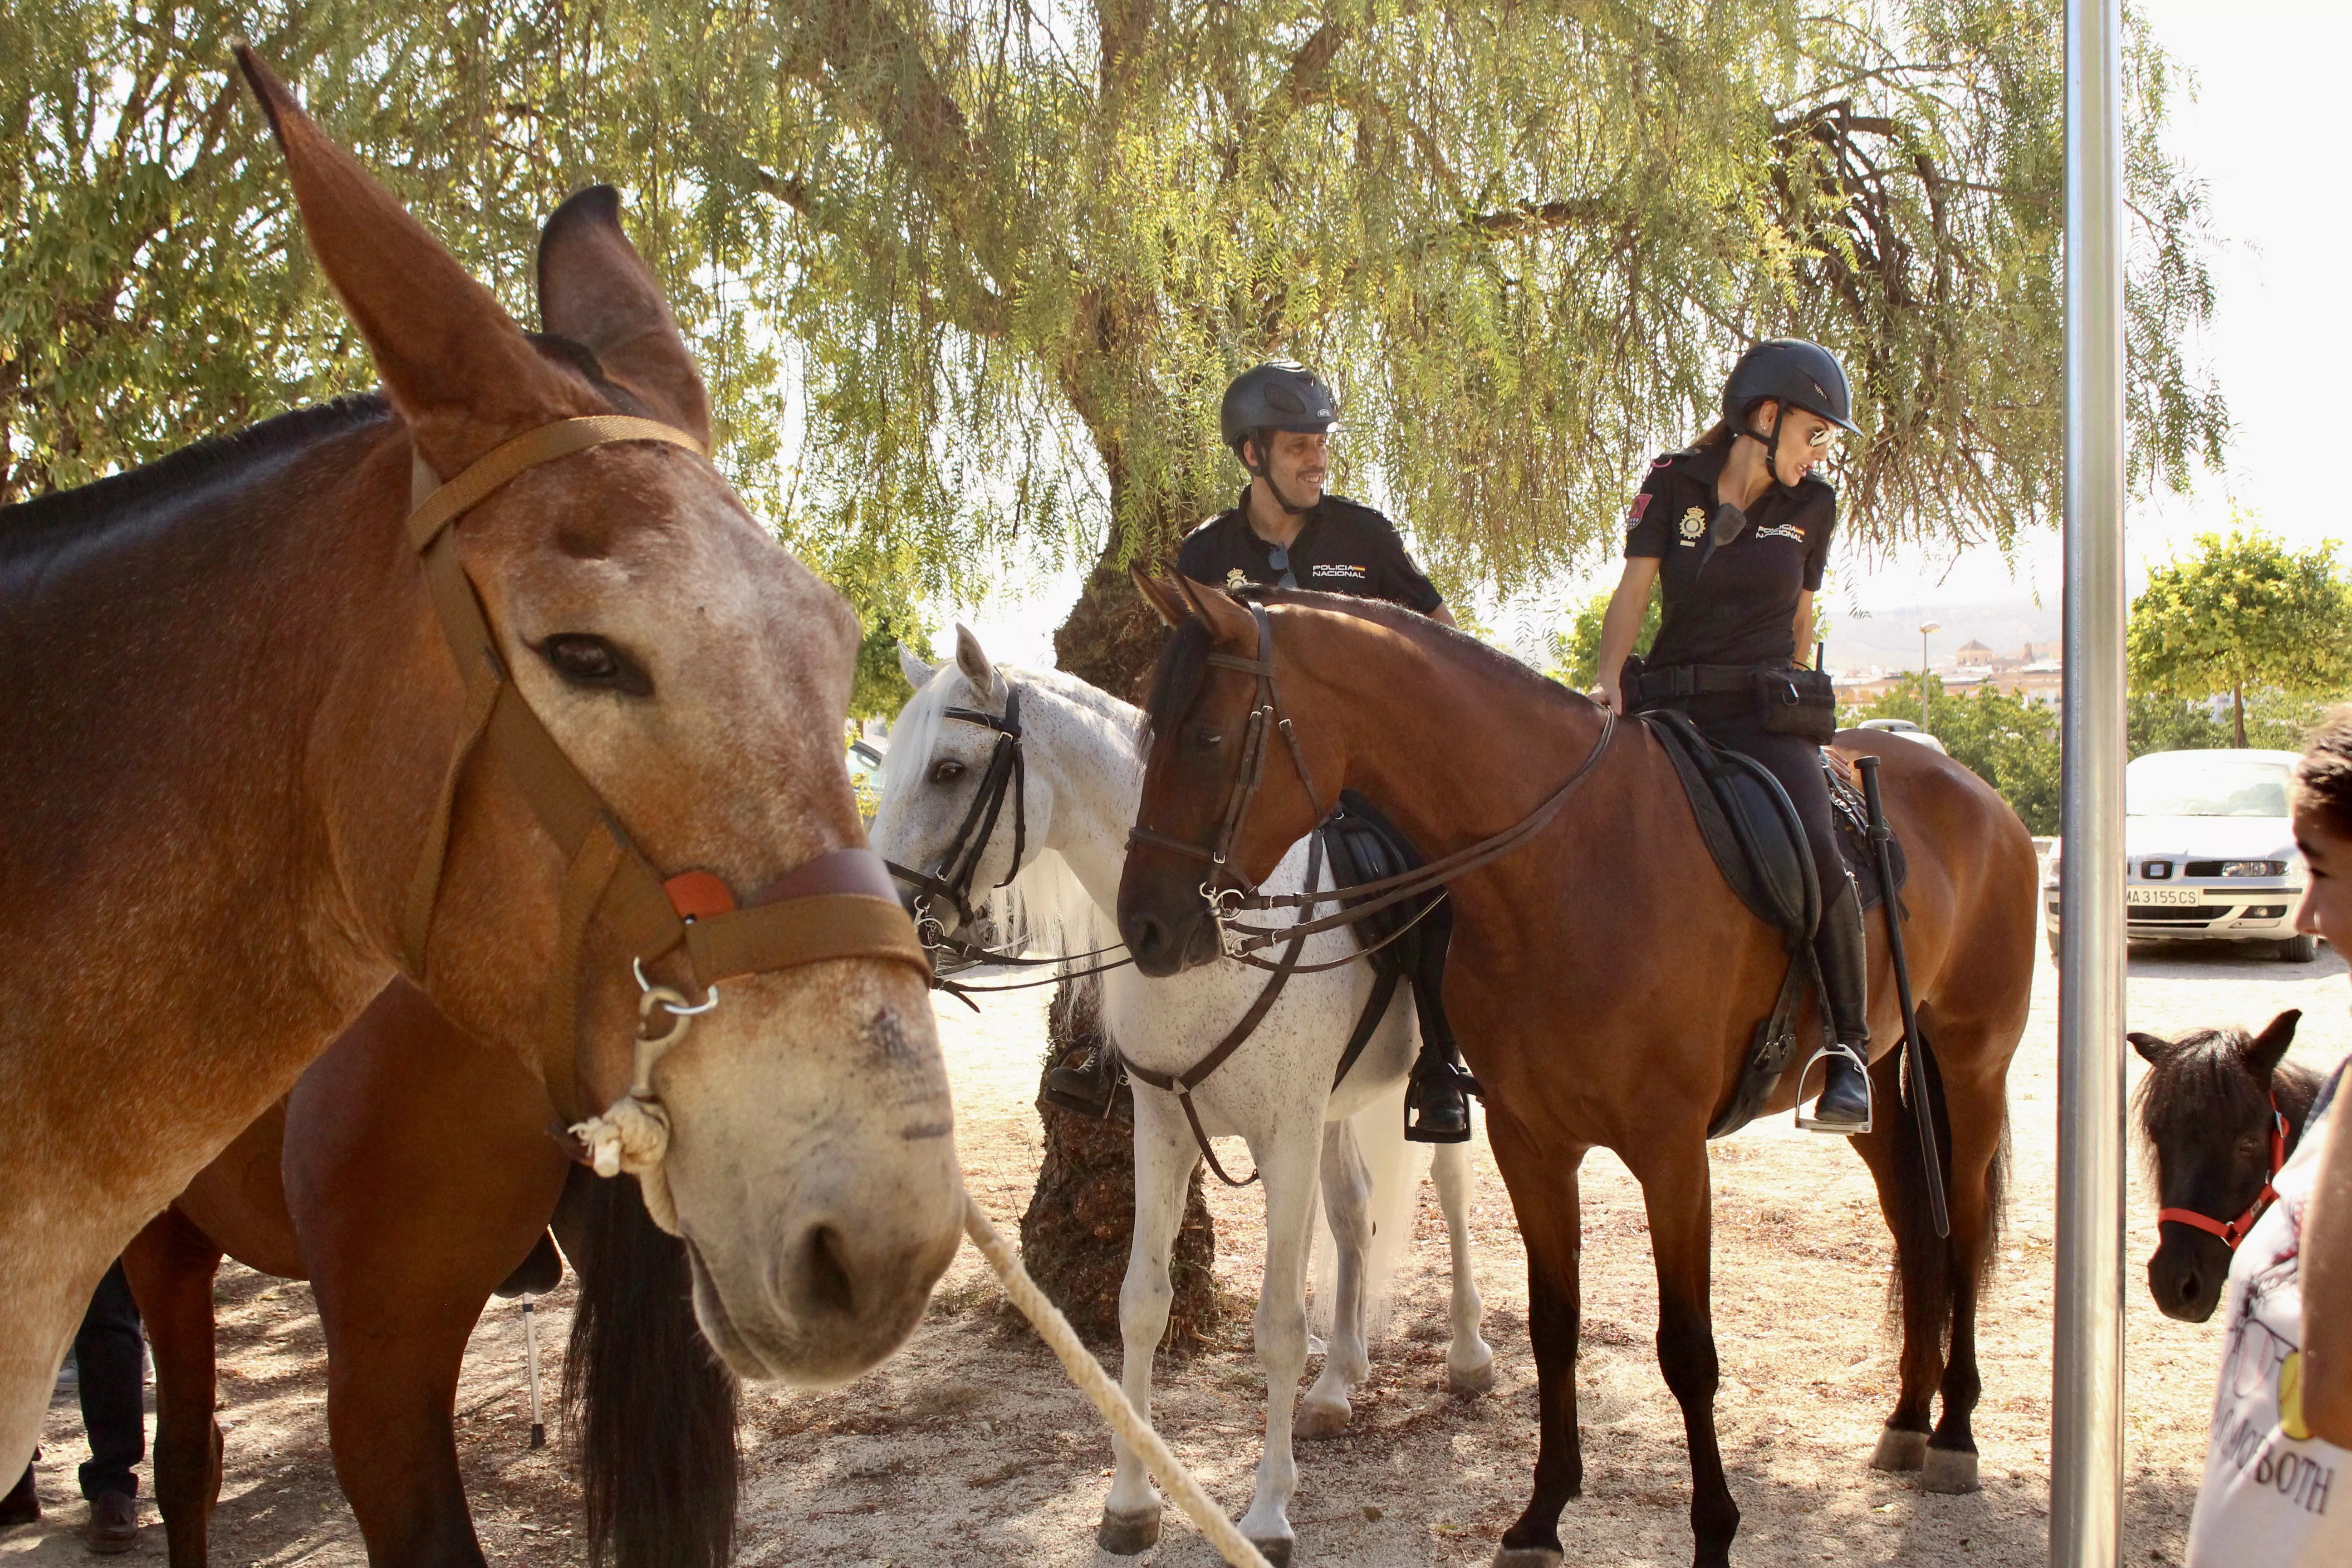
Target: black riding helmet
x=1276 y=395
x=1795 y=375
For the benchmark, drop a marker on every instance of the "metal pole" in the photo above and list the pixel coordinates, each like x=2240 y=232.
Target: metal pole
x=2086 y=1437
x=530 y=1351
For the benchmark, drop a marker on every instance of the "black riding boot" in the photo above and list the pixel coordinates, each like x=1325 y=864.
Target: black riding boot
x=1437 y=1096
x=1086 y=1081
x=1844 y=956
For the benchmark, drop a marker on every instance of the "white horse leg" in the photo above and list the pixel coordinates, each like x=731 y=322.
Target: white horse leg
x=1163 y=1165
x=1469 y=1359
x=1347 y=1194
x=1287 y=1156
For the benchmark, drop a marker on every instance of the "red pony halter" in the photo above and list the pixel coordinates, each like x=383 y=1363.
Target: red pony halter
x=2235 y=1230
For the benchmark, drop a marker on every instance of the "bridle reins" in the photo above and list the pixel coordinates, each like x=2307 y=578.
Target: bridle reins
x=1227 y=898
x=840 y=905
x=2233 y=1232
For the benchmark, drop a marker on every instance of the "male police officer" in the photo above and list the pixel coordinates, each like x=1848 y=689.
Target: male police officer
x=1286 y=533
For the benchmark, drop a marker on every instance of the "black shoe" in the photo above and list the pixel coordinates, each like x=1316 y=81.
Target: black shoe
x=113 y=1524
x=21 y=1506
x=1085 y=1082
x=1437 y=1105
x=1844 y=1106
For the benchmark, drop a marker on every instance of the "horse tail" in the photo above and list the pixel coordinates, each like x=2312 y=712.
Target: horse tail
x=652 y=1412
x=1922 y=1287
x=1396 y=1185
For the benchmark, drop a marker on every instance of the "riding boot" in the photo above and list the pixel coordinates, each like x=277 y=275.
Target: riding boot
x=1844 y=957
x=1086 y=1081
x=1437 y=1097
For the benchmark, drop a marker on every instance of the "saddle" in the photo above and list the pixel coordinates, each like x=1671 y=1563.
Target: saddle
x=1753 y=833
x=1406 y=940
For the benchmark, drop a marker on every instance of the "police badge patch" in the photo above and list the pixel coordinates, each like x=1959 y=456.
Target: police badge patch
x=1236 y=578
x=1694 y=524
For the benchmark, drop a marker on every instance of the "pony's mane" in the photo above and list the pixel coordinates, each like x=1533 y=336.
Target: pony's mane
x=2202 y=1084
x=1184 y=656
x=102 y=502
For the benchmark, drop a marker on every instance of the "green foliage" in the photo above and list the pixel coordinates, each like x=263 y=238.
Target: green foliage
x=967 y=278
x=2009 y=741
x=2154 y=723
x=2241 y=615
x=1576 y=654
x=880 y=689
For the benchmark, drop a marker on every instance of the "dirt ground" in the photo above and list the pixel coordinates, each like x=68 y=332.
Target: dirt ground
x=969 y=1447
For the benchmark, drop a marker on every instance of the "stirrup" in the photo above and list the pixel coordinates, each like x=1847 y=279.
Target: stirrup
x=1819 y=1057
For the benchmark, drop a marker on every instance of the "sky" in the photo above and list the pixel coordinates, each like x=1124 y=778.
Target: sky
x=2256 y=105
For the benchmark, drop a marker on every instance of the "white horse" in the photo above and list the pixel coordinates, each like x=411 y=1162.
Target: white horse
x=1084 y=770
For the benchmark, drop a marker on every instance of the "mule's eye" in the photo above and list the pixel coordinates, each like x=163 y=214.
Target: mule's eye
x=591 y=661
x=1208 y=740
x=946 y=770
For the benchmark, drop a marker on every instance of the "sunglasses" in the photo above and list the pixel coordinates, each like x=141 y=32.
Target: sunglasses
x=1821 y=441
x=1278 y=557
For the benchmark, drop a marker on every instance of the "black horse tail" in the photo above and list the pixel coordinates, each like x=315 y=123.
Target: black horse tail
x=1922 y=1290
x=651 y=1410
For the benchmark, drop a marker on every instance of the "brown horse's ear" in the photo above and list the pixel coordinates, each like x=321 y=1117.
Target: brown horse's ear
x=2149 y=1046
x=2264 y=1053
x=594 y=289
x=1228 y=621
x=456 y=366
x=1165 y=601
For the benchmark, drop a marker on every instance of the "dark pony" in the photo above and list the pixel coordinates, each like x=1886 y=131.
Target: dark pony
x=2205 y=1109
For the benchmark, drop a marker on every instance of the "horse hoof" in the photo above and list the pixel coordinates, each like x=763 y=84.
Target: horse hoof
x=1899 y=1450
x=1527 y=1557
x=1276 y=1551
x=1127 y=1534
x=1323 y=1420
x=1950 y=1470
x=1467 y=1382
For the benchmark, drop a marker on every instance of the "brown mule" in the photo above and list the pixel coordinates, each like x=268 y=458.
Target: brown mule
x=1571 y=975
x=417 y=1177
x=240 y=746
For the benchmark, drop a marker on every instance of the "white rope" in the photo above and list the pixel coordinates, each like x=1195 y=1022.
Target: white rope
x=1107 y=1395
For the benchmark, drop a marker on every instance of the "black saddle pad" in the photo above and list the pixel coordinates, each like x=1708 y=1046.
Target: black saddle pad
x=1362 y=846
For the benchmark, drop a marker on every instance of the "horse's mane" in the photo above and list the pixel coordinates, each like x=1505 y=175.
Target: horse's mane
x=2202 y=1084
x=1184 y=656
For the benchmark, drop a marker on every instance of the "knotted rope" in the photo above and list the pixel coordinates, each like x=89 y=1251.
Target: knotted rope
x=632 y=1134
x=1106 y=1396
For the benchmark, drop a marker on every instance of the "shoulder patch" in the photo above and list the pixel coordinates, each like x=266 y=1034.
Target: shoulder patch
x=1641 y=504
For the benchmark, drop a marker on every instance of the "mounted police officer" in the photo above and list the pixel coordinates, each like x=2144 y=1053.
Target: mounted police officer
x=1734 y=531
x=1284 y=531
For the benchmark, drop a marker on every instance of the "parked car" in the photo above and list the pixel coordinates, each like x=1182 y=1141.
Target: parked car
x=2208 y=850
x=1905 y=728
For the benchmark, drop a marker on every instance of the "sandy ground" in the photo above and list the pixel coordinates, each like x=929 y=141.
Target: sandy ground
x=969 y=1447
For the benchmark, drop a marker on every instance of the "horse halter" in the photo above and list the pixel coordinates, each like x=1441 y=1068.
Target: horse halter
x=840 y=905
x=2234 y=1231
x=952 y=879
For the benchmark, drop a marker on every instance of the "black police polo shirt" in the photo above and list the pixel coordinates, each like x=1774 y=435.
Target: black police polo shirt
x=1342 y=548
x=1742 y=609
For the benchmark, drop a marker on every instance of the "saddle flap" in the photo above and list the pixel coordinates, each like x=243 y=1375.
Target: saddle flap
x=1747 y=825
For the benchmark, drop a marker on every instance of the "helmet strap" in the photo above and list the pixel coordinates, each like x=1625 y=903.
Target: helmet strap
x=1262 y=473
x=1772 y=441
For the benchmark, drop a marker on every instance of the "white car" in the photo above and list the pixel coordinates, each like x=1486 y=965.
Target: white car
x=1905 y=728
x=2210 y=852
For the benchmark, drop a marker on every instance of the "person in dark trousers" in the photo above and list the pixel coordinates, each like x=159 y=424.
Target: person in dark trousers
x=109 y=1362
x=1734 y=531
x=1284 y=531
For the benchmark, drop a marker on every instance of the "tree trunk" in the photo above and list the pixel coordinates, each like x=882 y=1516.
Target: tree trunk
x=2238 y=713
x=1081 y=1217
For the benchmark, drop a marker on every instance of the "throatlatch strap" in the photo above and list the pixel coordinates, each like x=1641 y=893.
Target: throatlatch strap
x=584 y=881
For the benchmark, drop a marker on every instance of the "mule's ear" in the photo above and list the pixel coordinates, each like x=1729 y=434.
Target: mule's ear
x=594 y=289
x=919 y=674
x=1165 y=602
x=2264 y=1053
x=456 y=366
x=1228 y=621
x=972 y=659
x=2149 y=1046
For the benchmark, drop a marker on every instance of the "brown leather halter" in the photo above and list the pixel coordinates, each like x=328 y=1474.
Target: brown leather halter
x=1362 y=898
x=840 y=905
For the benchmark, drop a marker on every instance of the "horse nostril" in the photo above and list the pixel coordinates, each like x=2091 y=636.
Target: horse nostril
x=825 y=1279
x=1144 y=935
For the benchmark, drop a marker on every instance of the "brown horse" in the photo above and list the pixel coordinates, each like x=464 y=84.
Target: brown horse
x=1604 y=979
x=242 y=790
x=407 y=1176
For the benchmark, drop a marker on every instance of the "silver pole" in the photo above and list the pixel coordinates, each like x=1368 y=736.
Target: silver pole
x=2086 y=1437
x=530 y=1350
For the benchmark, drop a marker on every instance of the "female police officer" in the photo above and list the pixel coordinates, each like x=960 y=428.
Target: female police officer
x=1735 y=531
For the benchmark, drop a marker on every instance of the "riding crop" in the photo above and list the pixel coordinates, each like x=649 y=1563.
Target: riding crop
x=1920 y=1062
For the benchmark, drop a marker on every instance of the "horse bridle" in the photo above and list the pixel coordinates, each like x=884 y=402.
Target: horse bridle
x=1008 y=771
x=2234 y=1231
x=840 y=905
x=1227 y=893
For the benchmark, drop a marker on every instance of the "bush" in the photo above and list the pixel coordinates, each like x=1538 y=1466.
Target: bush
x=2009 y=741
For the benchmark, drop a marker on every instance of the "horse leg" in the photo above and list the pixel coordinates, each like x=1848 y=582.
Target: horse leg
x=1164 y=1157
x=1551 y=1222
x=1347 y=1204
x=1286 y=1153
x=1979 y=1105
x=1469 y=1359
x=169 y=1265
x=1674 y=1177
x=1892 y=1150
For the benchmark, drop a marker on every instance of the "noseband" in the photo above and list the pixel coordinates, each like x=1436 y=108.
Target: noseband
x=2234 y=1231
x=840 y=905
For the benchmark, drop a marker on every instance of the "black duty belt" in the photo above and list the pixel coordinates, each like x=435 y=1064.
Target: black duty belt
x=1671 y=681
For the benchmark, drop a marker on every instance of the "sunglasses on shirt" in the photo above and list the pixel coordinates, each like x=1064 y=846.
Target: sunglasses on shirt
x=1278 y=557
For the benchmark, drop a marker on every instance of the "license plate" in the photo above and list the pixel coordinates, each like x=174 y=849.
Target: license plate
x=2179 y=897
